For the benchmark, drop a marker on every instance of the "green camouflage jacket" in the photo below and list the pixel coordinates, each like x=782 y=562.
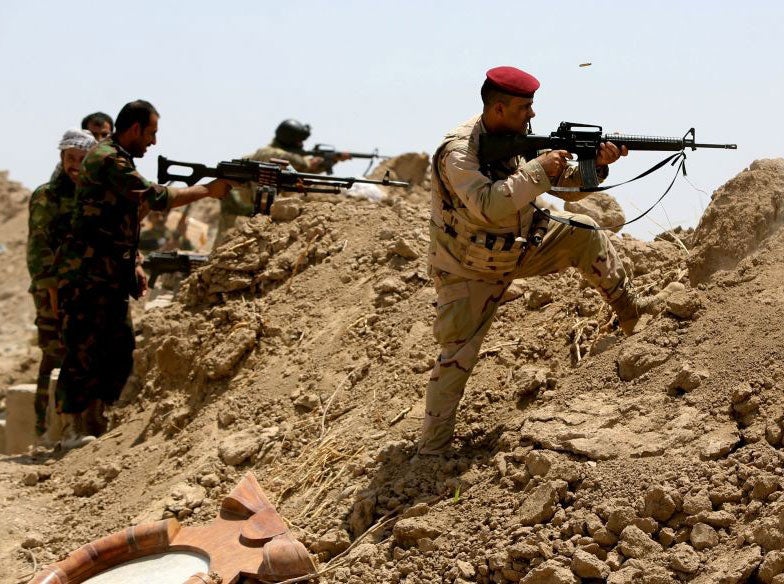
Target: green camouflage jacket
x=51 y=207
x=104 y=240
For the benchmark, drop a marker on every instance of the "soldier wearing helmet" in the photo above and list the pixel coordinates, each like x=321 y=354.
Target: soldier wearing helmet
x=287 y=144
x=290 y=136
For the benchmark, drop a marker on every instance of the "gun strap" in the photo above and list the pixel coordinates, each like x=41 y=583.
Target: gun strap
x=670 y=159
x=372 y=159
x=679 y=157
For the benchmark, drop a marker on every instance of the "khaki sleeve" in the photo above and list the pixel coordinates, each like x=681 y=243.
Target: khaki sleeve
x=492 y=200
x=299 y=162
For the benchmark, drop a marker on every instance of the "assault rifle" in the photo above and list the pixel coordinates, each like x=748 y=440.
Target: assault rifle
x=582 y=140
x=330 y=153
x=167 y=262
x=270 y=177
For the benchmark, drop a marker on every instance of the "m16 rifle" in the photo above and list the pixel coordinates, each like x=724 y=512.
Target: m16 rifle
x=270 y=177
x=167 y=262
x=330 y=156
x=582 y=140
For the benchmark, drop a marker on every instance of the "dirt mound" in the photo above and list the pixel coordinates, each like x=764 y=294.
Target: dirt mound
x=413 y=168
x=17 y=355
x=741 y=215
x=13 y=197
x=302 y=350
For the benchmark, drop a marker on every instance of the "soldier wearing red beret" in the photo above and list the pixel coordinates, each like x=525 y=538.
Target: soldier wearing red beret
x=481 y=219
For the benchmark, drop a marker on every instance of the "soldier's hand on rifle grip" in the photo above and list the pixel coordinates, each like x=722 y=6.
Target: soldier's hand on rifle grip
x=554 y=162
x=609 y=153
x=314 y=164
x=220 y=187
x=341 y=156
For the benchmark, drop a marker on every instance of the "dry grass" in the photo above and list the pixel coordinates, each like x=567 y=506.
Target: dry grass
x=317 y=470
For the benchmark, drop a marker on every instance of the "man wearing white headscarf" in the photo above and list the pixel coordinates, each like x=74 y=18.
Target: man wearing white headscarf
x=51 y=206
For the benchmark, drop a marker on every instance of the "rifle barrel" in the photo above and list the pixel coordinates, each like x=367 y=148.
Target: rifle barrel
x=316 y=179
x=725 y=146
x=366 y=155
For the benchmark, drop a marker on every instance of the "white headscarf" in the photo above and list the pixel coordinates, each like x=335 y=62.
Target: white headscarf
x=81 y=139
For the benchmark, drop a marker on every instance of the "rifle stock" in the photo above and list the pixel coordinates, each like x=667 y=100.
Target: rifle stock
x=167 y=262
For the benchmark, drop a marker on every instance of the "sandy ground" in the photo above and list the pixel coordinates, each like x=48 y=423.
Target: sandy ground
x=301 y=352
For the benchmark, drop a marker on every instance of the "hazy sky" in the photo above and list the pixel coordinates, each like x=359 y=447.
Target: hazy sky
x=397 y=76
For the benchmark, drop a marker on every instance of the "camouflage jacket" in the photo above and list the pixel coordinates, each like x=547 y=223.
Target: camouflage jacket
x=103 y=244
x=299 y=161
x=51 y=206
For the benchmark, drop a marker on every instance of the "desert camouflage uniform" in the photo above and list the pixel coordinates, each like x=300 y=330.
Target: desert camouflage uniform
x=239 y=202
x=96 y=270
x=470 y=279
x=51 y=206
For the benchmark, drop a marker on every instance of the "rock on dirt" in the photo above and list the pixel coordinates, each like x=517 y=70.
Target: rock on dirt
x=239 y=447
x=600 y=207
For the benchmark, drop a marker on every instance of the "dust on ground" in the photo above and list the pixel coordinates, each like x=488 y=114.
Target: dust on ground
x=302 y=350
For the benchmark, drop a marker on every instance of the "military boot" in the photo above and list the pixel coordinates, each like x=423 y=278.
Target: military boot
x=630 y=305
x=74 y=431
x=95 y=418
x=437 y=432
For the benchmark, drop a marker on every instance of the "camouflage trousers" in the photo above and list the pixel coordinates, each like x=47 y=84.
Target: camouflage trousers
x=99 y=343
x=466 y=308
x=52 y=352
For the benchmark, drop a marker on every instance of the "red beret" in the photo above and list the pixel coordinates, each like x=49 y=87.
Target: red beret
x=513 y=81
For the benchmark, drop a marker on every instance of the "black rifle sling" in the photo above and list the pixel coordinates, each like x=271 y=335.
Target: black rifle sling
x=679 y=157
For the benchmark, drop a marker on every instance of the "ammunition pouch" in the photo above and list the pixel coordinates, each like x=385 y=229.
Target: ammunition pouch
x=481 y=250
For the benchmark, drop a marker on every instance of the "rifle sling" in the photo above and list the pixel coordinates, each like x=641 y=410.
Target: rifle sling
x=673 y=159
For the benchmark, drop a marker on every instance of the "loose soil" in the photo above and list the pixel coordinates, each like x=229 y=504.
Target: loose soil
x=302 y=350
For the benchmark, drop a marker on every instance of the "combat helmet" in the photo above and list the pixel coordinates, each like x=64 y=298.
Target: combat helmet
x=292 y=133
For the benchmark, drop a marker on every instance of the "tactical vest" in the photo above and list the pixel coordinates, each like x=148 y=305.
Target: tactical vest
x=484 y=250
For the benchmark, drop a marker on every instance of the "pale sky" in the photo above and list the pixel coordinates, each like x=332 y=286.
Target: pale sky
x=397 y=76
